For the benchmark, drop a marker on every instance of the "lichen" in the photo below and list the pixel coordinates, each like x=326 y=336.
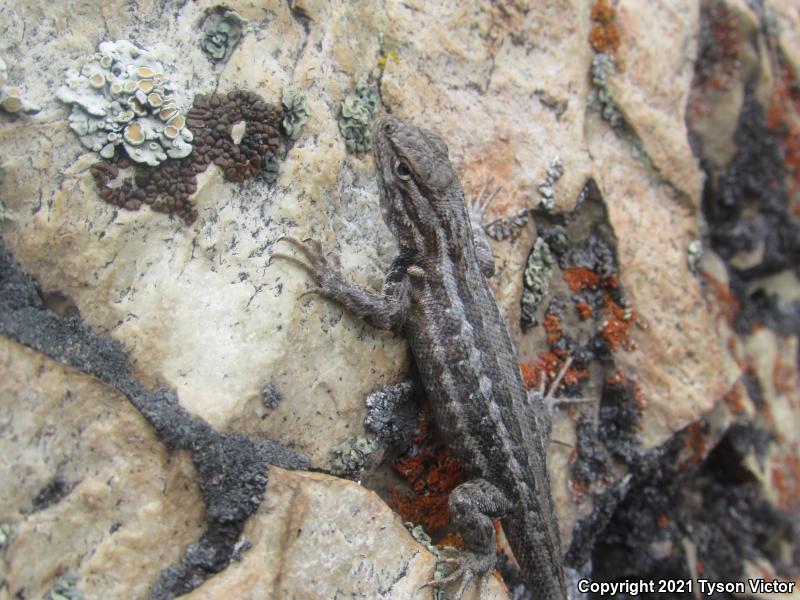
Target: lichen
x=11 y=99
x=5 y=214
x=350 y=457
x=65 y=588
x=222 y=30
x=507 y=227
x=6 y=534
x=169 y=186
x=271 y=396
x=604 y=35
x=385 y=57
x=600 y=97
x=694 y=252
x=295 y=112
x=431 y=473
x=355 y=122
x=121 y=97
x=536 y=280
x=554 y=172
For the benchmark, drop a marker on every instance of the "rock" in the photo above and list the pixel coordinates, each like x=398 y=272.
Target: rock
x=707 y=103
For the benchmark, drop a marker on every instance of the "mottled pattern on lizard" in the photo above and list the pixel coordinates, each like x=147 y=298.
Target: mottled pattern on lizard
x=437 y=296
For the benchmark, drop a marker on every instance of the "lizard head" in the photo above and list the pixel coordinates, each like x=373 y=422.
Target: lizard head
x=421 y=198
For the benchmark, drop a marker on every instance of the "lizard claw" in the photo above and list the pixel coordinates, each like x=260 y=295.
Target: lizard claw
x=315 y=263
x=469 y=566
x=477 y=205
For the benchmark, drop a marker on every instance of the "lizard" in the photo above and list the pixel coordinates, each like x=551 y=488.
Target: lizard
x=436 y=295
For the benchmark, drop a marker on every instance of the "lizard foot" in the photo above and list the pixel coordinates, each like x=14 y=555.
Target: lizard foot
x=477 y=205
x=315 y=264
x=469 y=566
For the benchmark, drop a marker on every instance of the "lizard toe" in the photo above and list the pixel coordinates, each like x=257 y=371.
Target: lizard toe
x=469 y=566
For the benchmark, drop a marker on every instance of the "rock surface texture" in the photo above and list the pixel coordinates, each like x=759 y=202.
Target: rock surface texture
x=653 y=147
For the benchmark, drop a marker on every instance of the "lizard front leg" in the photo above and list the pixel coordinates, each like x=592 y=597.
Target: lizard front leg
x=476 y=207
x=473 y=505
x=387 y=310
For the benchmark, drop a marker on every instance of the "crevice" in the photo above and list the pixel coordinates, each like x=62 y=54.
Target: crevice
x=232 y=469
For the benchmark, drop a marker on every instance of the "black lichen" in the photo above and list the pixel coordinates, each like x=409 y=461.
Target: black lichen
x=232 y=469
x=640 y=526
x=51 y=493
x=747 y=206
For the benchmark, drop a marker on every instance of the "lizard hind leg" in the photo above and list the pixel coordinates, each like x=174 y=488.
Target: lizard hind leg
x=473 y=505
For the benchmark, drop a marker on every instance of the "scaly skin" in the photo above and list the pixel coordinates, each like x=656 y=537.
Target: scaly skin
x=436 y=295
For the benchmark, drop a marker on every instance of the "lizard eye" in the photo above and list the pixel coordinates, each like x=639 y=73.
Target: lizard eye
x=402 y=170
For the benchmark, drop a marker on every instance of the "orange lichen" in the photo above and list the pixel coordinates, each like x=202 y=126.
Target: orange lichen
x=718 y=63
x=581 y=278
x=604 y=35
x=573 y=375
x=549 y=364
x=785 y=477
x=695 y=441
x=616 y=325
x=726 y=300
x=530 y=374
x=552 y=325
x=577 y=488
x=783 y=118
x=663 y=521
x=782 y=375
x=617 y=378
x=452 y=540
x=733 y=399
x=584 y=310
x=431 y=473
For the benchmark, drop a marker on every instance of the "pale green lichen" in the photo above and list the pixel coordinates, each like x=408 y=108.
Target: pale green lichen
x=11 y=99
x=694 y=253
x=421 y=536
x=600 y=98
x=556 y=238
x=121 y=96
x=537 y=281
x=6 y=533
x=65 y=588
x=295 y=112
x=222 y=30
x=350 y=457
x=355 y=122
x=5 y=214
x=547 y=188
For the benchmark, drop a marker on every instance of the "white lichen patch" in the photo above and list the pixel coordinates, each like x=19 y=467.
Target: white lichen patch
x=122 y=96
x=11 y=99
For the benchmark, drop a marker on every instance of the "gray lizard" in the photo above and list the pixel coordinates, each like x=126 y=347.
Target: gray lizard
x=436 y=295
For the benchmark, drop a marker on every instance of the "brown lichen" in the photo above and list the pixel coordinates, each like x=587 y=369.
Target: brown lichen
x=169 y=186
